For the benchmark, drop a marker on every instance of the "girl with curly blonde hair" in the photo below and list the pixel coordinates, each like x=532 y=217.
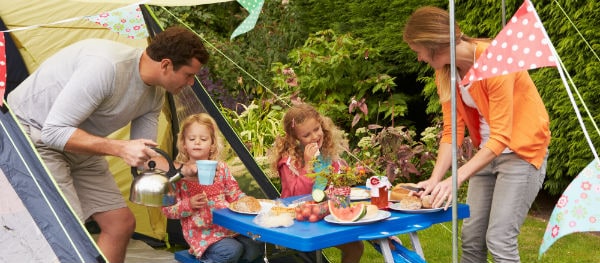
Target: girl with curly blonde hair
x=311 y=143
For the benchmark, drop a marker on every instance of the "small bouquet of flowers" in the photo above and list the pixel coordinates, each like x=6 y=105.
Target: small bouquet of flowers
x=346 y=176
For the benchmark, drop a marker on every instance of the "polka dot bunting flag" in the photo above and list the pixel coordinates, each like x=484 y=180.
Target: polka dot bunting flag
x=254 y=7
x=2 y=68
x=521 y=45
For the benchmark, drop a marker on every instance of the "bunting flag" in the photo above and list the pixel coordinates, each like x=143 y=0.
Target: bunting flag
x=521 y=45
x=2 y=68
x=254 y=7
x=577 y=209
x=127 y=21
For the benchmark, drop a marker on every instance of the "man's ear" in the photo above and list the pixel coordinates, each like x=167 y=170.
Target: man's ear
x=164 y=63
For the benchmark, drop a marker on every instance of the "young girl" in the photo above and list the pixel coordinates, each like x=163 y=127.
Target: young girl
x=311 y=143
x=198 y=139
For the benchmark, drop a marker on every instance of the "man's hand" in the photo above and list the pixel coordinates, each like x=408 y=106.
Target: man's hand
x=137 y=152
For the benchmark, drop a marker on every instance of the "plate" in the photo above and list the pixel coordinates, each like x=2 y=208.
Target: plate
x=381 y=215
x=396 y=207
x=359 y=194
x=265 y=204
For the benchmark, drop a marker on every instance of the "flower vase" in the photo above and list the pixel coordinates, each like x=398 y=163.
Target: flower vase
x=340 y=195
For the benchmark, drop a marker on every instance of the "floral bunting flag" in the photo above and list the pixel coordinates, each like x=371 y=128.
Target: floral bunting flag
x=577 y=209
x=2 y=68
x=127 y=21
x=254 y=7
x=521 y=45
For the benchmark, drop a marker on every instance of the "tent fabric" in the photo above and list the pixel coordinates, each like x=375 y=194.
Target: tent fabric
x=36 y=35
x=37 y=224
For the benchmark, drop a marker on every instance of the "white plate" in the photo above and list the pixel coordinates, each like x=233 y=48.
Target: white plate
x=381 y=215
x=359 y=194
x=396 y=207
x=265 y=204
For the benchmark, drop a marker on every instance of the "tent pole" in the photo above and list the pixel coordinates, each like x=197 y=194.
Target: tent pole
x=453 y=82
x=503 y=13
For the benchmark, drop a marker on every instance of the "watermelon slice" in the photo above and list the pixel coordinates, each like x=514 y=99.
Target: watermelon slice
x=353 y=213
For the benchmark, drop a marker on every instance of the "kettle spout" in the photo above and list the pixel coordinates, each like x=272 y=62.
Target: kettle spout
x=176 y=177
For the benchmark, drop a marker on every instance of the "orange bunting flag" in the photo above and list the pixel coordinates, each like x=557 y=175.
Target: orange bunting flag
x=521 y=45
x=2 y=68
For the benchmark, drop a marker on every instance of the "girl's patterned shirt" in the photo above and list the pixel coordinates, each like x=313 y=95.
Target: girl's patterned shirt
x=197 y=226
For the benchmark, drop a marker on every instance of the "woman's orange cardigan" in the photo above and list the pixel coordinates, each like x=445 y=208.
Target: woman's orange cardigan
x=514 y=110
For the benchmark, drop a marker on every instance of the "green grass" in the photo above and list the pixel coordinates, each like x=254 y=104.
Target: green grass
x=437 y=245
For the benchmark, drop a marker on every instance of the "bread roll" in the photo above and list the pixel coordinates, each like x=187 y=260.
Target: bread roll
x=398 y=192
x=410 y=203
x=247 y=204
x=427 y=201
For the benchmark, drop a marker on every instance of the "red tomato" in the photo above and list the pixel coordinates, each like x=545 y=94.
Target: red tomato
x=306 y=212
x=298 y=209
x=313 y=218
x=299 y=217
x=316 y=210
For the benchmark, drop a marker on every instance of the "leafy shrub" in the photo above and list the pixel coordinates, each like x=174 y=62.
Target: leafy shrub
x=330 y=70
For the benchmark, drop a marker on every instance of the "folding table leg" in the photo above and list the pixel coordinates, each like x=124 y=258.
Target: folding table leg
x=414 y=239
x=384 y=244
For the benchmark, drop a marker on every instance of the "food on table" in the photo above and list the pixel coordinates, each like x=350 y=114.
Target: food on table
x=311 y=211
x=246 y=204
x=351 y=213
x=372 y=212
x=410 y=203
x=359 y=193
x=318 y=195
x=281 y=210
x=427 y=201
x=398 y=192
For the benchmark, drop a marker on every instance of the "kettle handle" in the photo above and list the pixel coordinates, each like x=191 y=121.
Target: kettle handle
x=172 y=170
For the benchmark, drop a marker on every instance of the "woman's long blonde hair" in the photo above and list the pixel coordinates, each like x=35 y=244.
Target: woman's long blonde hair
x=209 y=122
x=334 y=142
x=429 y=27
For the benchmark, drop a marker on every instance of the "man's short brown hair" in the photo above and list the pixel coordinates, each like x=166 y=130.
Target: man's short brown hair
x=179 y=45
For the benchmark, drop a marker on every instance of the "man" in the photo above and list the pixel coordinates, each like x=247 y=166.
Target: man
x=89 y=90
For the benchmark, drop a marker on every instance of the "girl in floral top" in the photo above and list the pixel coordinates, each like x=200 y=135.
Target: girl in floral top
x=198 y=140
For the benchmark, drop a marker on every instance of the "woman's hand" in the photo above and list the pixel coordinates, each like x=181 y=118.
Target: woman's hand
x=427 y=185
x=198 y=201
x=442 y=194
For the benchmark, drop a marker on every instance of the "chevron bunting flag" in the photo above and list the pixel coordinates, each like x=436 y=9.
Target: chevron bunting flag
x=576 y=209
x=254 y=7
x=126 y=21
x=2 y=68
x=521 y=45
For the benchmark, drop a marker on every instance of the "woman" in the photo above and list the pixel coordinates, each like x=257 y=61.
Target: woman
x=506 y=120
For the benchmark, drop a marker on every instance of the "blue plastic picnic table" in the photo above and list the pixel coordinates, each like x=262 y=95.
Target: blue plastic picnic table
x=306 y=236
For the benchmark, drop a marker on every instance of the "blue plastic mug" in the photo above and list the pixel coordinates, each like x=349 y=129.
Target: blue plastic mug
x=206 y=171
